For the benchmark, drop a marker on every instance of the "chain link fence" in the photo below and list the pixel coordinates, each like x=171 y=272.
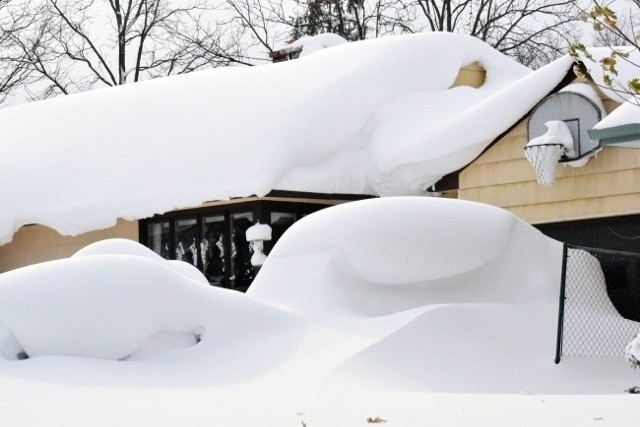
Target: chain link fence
x=599 y=302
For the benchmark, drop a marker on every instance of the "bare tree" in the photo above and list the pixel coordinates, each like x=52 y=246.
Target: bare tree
x=13 y=70
x=66 y=46
x=351 y=19
x=258 y=23
x=533 y=32
x=71 y=46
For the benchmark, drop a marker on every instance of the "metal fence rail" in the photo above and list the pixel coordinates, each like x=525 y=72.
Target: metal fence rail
x=599 y=302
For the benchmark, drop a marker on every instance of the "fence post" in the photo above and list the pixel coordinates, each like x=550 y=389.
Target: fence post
x=563 y=281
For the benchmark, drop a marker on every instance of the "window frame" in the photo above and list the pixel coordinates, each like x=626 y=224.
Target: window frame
x=261 y=210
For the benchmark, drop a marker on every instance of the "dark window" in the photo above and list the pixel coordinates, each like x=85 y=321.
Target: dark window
x=159 y=238
x=213 y=251
x=614 y=233
x=280 y=222
x=241 y=268
x=186 y=244
x=214 y=239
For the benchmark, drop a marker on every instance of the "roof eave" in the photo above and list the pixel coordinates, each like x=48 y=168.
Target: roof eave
x=627 y=135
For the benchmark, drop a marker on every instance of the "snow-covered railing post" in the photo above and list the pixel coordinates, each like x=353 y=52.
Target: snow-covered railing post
x=256 y=235
x=563 y=284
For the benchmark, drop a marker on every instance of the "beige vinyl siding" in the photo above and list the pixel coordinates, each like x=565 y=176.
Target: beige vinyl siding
x=36 y=243
x=608 y=185
x=472 y=75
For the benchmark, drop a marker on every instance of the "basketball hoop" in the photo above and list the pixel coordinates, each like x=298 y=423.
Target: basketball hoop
x=544 y=160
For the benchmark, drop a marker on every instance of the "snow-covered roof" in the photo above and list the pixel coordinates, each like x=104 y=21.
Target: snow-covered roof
x=311 y=44
x=371 y=117
x=620 y=128
x=627 y=113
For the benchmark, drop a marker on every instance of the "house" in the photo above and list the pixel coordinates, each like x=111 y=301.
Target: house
x=593 y=202
x=187 y=164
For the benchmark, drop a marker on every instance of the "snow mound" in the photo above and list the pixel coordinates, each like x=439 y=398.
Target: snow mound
x=383 y=256
x=129 y=247
x=118 y=247
x=113 y=300
x=420 y=294
x=486 y=327
x=103 y=306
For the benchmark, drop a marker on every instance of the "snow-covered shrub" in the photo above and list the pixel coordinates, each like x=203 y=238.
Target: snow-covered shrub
x=632 y=352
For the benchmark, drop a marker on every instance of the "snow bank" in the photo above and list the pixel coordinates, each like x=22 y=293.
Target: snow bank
x=383 y=256
x=74 y=314
x=460 y=297
x=117 y=300
x=371 y=117
x=406 y=294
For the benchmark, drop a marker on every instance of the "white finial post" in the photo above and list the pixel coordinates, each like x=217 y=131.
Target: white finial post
x=256 y=235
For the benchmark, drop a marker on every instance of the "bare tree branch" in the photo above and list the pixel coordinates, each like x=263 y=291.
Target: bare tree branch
x=66 y=46
x=515 y=27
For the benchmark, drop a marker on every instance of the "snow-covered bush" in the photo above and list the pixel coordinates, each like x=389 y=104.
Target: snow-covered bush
x=632 y=352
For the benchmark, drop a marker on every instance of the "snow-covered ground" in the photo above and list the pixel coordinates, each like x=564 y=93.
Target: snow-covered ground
x=419 y=311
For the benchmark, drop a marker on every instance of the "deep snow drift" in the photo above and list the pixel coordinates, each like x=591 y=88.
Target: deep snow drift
x=362 y=310
x=371 y=117
x=405 y=294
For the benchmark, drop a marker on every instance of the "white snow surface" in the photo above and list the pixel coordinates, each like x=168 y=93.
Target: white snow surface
x=397 y=302
x=632 y=352
x=371 y=117
x=627 y=113
x=258 y=232
x=312 y=44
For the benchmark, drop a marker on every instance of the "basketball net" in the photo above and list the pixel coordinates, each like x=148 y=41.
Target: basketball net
x=544 y=159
